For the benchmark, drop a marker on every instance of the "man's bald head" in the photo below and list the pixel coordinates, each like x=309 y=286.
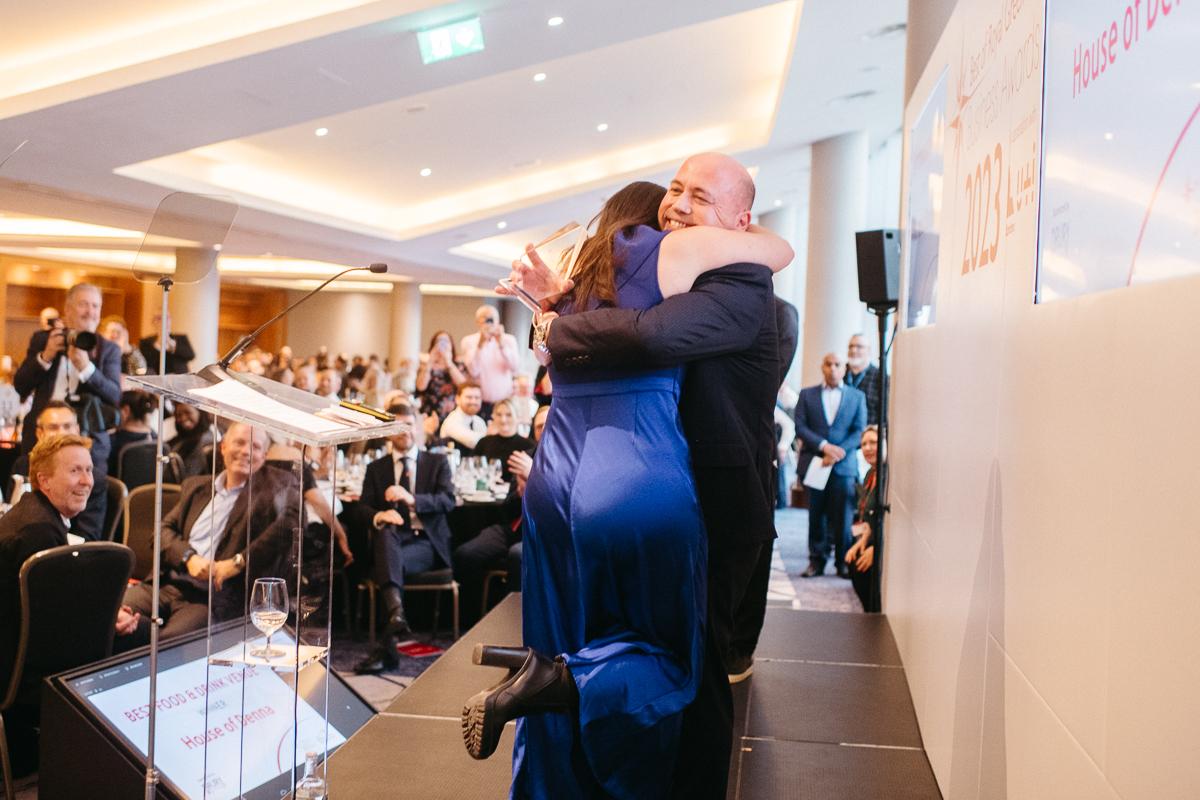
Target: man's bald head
x=710 y=189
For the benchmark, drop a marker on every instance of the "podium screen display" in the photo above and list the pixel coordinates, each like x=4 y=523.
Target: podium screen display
x=244 y=714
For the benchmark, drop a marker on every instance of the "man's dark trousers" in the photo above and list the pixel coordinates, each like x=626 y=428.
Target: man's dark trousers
x=830 y=512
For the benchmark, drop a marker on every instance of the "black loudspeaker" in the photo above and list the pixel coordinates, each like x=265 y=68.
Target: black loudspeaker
x=878 y=266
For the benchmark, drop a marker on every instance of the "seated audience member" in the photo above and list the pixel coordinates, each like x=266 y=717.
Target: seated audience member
x=179 y=349
x=463 y=425
x=525 y=405
x=406 y=496
x=505 y=441
x=861 y=555
x=316 y=498
x=192 y=440
x=329 y=384
x=439 y=375
x=61 y=472
x=281 y=366
x=136 y=408
x=116 y=331
x=207 y=532
x=543 y=389
x=500 y=544
x=305 y=379
x=10 y=401
x=58 y=419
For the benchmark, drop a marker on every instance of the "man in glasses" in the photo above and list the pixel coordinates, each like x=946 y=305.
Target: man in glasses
x=491 y=358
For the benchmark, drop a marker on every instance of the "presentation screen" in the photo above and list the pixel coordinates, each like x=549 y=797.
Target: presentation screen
x=244 y=714
x=926 y=169
x=1120 y=200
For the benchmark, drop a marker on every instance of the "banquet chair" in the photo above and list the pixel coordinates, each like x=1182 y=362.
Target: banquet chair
x=60 y=628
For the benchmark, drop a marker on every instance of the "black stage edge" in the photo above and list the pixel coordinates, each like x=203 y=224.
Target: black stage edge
x=415 y=748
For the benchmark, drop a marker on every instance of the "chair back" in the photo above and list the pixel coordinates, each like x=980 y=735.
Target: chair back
x=115 y=509
x=135 y=463
x=16 y=488
x=173 y=469
x=70 y=596
x=139 y=523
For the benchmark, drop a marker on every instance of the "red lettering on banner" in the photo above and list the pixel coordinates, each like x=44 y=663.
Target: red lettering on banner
x=1091 y=59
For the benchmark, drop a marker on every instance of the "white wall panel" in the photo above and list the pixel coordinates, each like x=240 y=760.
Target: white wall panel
x=1042 y=546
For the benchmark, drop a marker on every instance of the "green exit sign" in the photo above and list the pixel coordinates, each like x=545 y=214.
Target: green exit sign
x=451 y=41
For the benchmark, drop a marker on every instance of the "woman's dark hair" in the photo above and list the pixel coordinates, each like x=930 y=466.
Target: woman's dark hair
x=140 y=403
x=453 y=350
x=636 y=204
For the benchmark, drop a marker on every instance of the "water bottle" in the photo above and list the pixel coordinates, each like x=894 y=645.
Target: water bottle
x=312 y=786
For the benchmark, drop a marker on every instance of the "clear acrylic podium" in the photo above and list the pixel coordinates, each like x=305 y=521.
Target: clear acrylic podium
x=245 y=727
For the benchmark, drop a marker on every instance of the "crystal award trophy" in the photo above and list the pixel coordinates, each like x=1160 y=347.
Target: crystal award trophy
x=559 y=251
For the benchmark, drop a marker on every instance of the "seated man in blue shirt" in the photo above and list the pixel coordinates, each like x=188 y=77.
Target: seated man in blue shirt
x=222 y=534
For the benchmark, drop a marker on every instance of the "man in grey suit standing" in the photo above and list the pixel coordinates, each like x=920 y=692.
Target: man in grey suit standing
x=830 y=419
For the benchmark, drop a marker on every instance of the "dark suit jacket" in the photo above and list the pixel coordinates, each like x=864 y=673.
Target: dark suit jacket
x=845 y=432
x=105 y=383
x=32 y=525
x=434 y=492
x=271 y=516
x=177 y=362
x=787 y=322
x=724 y=328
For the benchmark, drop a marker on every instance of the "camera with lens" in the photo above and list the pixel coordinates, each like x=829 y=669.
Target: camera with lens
x=84 y=340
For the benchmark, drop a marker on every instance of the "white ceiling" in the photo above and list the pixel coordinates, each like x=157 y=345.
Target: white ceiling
x=237 y=115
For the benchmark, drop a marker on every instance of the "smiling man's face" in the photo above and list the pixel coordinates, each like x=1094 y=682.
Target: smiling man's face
x=710 y=189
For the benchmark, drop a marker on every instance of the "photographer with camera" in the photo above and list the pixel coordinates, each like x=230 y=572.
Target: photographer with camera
x=69 y=362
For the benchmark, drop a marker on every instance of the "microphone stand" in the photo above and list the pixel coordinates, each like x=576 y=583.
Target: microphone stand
x=882 y=311
x=220 y=371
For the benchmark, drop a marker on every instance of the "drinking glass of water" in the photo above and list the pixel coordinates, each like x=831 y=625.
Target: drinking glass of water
x=268 y=612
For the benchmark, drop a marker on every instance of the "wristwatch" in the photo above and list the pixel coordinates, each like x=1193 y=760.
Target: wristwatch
x=540 y=331
x=187 y=556
x=239 y=561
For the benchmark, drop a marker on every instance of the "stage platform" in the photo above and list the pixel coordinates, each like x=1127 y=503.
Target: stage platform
x=826 y=714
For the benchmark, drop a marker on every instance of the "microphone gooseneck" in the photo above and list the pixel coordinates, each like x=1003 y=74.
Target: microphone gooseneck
x=248 y=339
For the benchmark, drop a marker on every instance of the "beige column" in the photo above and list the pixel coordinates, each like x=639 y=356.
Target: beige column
x=404 y=339
x=195 y=307
x=837 y=209
x=789 y=284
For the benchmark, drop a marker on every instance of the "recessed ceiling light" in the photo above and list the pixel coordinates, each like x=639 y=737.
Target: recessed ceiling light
x=554 y=22
x=501 y=224
x=602 y=127
x=322 y=131
x=218 y=246
x=1108 y=137
x=425 y=173
x=539 y=77
x=884 y=32
x=1196 y=85
x=778 y=203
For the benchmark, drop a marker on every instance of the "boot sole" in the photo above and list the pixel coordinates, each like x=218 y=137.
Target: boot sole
x=481 y=733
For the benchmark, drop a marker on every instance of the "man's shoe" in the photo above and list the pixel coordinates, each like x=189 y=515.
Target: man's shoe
x=741 y=668
x=535 y=685
x=393 y=602
x=380 y=659
x=813 y=571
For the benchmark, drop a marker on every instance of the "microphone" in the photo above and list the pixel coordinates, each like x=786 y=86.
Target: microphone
x=219 y=371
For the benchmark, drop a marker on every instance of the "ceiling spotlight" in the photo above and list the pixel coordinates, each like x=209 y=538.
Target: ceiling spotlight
x=539 y=77
x=778 y=203
x=322 y=131
x=425 y=173
x=554 y=22
x=602 y=127
x=1108 y=137
x=501 y=224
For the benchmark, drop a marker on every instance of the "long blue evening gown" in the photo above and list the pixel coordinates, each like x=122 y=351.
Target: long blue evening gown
x=613 y=572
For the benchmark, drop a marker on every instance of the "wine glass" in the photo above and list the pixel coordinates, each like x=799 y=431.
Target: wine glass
x=268 y=612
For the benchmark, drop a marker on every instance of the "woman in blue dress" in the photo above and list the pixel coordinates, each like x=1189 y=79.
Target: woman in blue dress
x=613 y=572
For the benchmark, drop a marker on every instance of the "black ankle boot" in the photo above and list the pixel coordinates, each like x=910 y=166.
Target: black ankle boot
x=535 y=685
x=393 y=604
x=382 y=658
